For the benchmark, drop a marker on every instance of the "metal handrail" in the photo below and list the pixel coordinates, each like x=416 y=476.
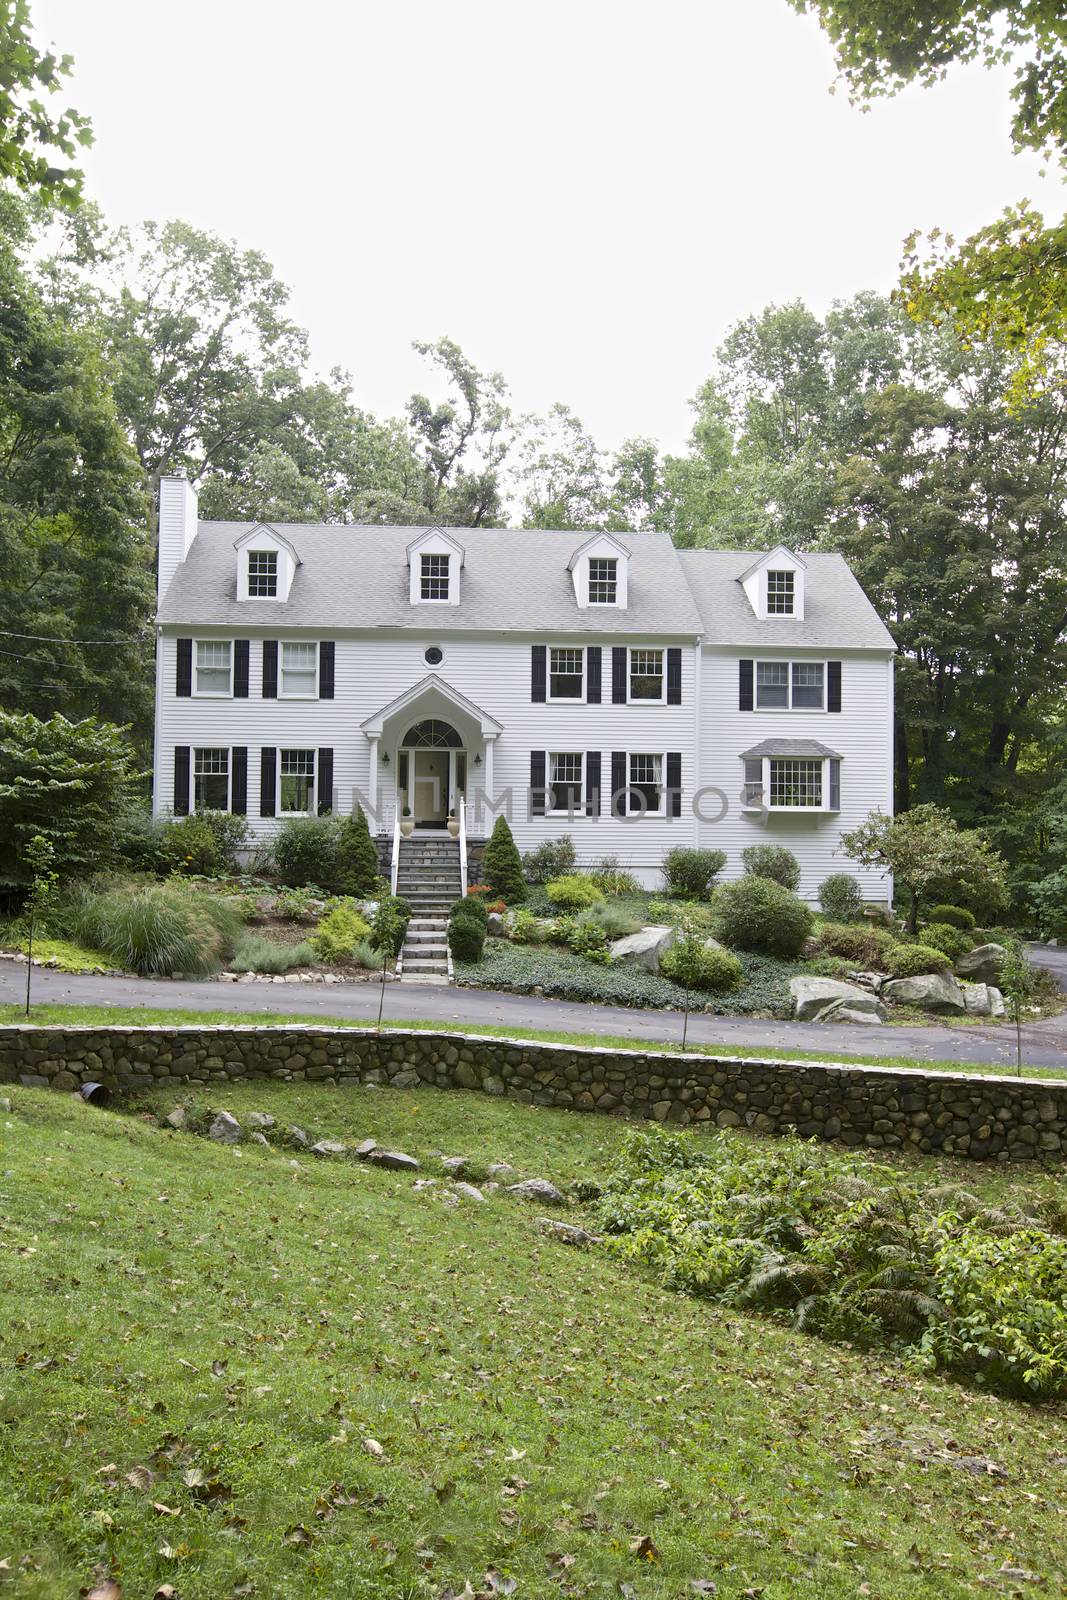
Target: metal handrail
x=395 y=869
x=462 y=845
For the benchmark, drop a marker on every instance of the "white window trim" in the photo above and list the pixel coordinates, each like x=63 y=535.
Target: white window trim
x=589 y=580
x=278 y=812
x=439 y=600
x=264 y=550
x=211 y=694
x=777 y=661
x=661 y=757
x=565 y=811
x=793 y=613
x=566 y=699
x=646 y=700
x=282 y=695
x=193 y=808
x=764 y=803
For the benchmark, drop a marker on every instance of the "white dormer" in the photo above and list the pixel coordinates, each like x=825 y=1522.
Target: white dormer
x=599 y=569
x=435 y=561
x=774 y=586
x=266 y=564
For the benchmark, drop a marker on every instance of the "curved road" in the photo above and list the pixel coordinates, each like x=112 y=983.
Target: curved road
x=1044 y=1043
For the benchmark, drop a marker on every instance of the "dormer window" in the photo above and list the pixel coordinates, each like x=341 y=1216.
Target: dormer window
x=603 y=580
x=262 y=574
x=780 y=593
x=433 y=576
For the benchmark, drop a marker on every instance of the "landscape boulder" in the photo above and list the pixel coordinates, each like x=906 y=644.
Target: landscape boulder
x=495 y=925
x=537 y=1189
x=395 y=1160
x=982 y=1000
x=567 y=1232
x=226 y=1129
x=645 y=948
x=841 y=1013
x=982 y=964
x=329 y=1147
x=932 y=991
x=470 y=1191
x=175 y=1118
x=260 y=1119
x=813 y=996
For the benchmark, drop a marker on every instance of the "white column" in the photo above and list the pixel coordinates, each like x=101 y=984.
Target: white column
x=489 y=767
x=372 y=782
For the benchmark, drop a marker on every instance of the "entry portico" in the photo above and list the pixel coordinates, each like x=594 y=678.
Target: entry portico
x=427 y=745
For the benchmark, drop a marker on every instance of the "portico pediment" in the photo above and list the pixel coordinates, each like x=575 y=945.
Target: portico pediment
x=433 y=697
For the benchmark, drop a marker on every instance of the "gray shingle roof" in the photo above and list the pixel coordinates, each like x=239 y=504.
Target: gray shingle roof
x=513 y=580
x=837 y=613
x=357 y=577
x=788 y=747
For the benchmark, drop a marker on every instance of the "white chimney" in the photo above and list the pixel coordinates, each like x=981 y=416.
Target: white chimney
x=177 y=525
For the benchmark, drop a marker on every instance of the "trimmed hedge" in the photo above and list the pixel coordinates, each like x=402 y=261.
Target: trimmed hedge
x=692 y=873
x=695 y=965
x=772 y=861
x=955 y=916
x=915 y=960
x=955 y=942
x=841 y=897
x=757 y=913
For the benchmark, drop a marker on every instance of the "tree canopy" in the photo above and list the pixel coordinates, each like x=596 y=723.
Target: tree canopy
x=32 y=138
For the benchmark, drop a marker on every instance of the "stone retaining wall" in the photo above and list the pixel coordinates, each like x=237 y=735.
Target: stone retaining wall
x=880 y=1107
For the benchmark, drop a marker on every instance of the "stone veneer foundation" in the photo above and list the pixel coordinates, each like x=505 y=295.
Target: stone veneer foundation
x=878 y=1107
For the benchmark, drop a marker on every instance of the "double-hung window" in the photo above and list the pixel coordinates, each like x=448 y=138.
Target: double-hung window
x=646 y=784
x=785 y=685
x=300 y=670
x=262 y=574
x=566 y=674
x=213 y=661
x=780 y=593
x=565 y=786
x=433 y=577
x=646 y=674
x=603 y=580
x=211 y=780
x=296 y=781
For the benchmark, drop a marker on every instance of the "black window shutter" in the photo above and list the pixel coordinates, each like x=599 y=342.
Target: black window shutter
x=674 y=677
x=833 y=686
x=239 y=780
x=268 y=771
x=539 y=674
x=618 y=783
x=270 y=675
x=326 y=665
x=537 y=783
x=593 y=665
x=744 y=685
x=592 y=783
x=240 y=669
x=181 y=780
x=618 y=675
x=674 y=783
x=324 y=782
x=184 y=683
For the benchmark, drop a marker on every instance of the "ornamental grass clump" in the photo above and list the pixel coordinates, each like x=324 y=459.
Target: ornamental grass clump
x=152 y=929
x=256 y=954
x=833 y=1246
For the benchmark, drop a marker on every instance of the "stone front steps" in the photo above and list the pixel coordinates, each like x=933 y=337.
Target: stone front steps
x=428 y=878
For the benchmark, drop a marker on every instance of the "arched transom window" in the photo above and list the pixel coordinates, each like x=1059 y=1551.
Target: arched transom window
x=432 y=735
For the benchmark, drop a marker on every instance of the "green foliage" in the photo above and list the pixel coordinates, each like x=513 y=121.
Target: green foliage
x=390 y=920
x=357 y=857
x=913 y=960
x=772 y=861
x=927 y=853
x=955 y=916
x=864 y=947
x=153 y=929
x=615 y=921
x=954 y=942
x=466 y=934
x=65 y=956
x=553 y=858
x=253 y=953
x=586 y=936
x=695 y=965
x=339 y=931
x=305 y=852
x=526 y=928
x=829 y=967
x=66 y=782
x=502 y=864
x=841 y=897
x=366 y=954
x=691 y=874
x=32 y=136
x=573 y=892
x=294 y=905
x=817 y=1239
x=759 y=914
x=471 y=908
x=613 y=880
x=205 y=843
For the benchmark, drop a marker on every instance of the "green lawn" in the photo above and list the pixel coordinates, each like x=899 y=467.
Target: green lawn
x=199 y=1346
x=117 y=1016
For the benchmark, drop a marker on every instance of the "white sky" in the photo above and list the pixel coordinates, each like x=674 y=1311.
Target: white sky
x=584 y=193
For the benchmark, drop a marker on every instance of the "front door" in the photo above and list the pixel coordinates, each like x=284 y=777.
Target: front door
x=430 y=803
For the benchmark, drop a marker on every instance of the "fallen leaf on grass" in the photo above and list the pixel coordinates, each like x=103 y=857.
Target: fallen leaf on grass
x=497 y=1582
x=140 y=1478
x=297 y=1535
x=165 y=1511
x=373 y=1448
x=644 y=1549
x=703 y=1586
x=559 y=1564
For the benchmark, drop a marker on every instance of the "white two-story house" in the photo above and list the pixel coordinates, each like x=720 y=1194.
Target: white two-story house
x=632 y=695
